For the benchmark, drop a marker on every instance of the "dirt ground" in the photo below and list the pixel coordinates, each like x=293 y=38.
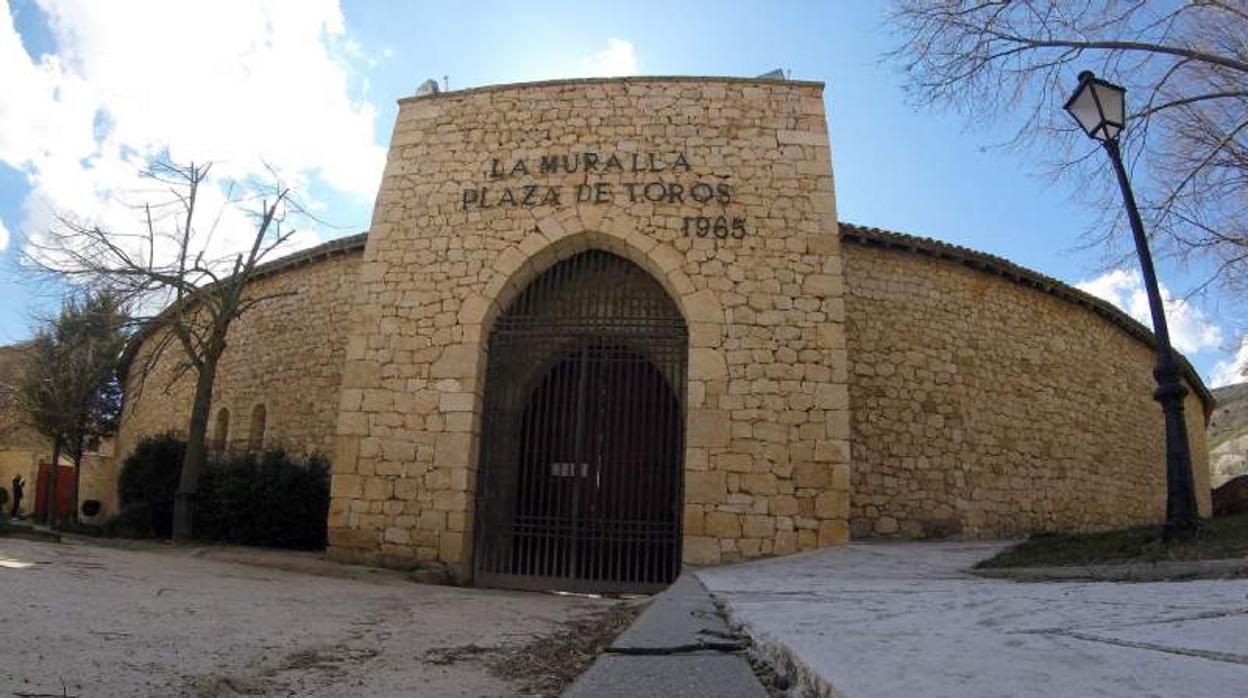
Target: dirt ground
x=86 y=620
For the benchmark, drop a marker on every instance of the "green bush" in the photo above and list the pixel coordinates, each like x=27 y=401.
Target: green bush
x=271 y=499
x=149 y=478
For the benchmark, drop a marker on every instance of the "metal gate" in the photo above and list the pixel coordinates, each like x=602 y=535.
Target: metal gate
x=582 y=446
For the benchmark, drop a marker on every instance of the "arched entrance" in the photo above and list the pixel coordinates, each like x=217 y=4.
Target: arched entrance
x=582 y=445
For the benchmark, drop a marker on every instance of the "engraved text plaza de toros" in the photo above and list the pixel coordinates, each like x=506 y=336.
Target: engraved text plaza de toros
x=648 y=177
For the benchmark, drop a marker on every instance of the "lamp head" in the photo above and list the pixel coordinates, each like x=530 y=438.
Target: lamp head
x=1099 y=107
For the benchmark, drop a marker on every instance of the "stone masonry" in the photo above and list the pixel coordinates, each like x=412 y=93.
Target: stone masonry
x=285 y=354
x=984 y=409
x=987 y=400
x=767 y=457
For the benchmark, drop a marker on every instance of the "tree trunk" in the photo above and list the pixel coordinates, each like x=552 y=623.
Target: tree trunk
x=196 y=450
x=73 y=498
x=49 y=495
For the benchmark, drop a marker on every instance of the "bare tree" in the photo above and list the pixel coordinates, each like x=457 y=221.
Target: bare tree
x=1184 y=62
x=169 y=261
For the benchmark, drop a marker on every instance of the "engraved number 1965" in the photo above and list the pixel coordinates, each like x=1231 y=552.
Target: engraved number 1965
x=719 y=227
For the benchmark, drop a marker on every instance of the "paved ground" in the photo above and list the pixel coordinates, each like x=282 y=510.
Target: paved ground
x=679 y=647
x=92 y=621
x=905 y=619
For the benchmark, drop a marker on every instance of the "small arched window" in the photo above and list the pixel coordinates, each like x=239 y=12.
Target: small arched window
x=221 y=431
x=255 y=437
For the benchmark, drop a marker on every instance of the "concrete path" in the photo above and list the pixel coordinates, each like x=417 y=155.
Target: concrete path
x=679 y=646
x=906 y=619
x=86 y=620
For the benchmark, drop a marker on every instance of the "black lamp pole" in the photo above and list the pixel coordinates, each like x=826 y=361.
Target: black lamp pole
x=1181 y=513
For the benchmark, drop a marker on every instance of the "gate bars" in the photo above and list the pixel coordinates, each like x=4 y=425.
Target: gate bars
x=582 y=446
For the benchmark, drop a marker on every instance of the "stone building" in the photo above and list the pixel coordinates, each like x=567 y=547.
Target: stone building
x=599 y=329
x=24 y=451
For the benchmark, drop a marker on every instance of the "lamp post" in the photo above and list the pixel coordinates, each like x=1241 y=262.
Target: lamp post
x=1100 y=109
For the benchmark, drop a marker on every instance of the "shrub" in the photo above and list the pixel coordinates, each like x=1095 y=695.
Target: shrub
x=4 y=499
x=272 y=499
x=149 y=478
x=134 y=522
x=91 y=507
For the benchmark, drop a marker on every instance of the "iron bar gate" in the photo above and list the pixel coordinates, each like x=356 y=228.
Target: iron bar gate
x=582 y=446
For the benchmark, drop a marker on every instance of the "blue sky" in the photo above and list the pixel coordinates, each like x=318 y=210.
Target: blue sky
x=311 y=86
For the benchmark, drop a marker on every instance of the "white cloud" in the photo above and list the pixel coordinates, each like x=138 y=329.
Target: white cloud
x=618 y=58
x=1190 y=328
x=1233 y=369
x=240 y=83
x=4 y=236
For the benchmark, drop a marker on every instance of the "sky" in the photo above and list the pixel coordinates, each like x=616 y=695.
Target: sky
x=91 y=91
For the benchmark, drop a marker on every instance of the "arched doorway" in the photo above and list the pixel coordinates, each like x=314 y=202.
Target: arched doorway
x=582 y=445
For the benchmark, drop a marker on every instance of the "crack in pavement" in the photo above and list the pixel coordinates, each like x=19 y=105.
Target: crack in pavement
x=1181 y=651
x=1206 y=615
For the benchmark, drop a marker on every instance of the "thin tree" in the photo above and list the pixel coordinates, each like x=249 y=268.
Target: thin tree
x=1184 y=63
x=172 y=260
x=68 y=390
x=42 y=398
x=99 y=338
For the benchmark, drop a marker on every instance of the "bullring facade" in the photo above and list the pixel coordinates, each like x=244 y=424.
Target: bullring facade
x=599 y=329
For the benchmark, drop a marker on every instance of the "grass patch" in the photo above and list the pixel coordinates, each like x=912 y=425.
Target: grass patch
x=1220 y=538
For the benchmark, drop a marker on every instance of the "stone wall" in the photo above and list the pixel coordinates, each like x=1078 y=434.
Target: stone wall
x=767 y=458
x=286 y=354
x=988 y=405
x=21 y=446
x=987 y=400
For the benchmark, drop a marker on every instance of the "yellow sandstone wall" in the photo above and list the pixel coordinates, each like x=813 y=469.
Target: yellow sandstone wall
x=20 y=445
x=286 y=353
x=767 y=459
x=983 y=407
x=986 y=400
x=22 y=448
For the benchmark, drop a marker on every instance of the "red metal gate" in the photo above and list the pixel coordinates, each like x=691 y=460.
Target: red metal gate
x=64 y=491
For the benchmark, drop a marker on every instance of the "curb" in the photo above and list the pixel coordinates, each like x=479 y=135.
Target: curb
x=680 y=645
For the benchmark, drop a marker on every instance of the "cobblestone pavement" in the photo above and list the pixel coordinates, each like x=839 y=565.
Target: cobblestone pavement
x=85 y=620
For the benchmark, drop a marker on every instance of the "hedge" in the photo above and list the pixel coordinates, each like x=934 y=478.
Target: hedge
x=270 y=499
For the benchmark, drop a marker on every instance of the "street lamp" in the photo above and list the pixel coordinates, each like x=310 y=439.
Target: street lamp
x=1100 y=109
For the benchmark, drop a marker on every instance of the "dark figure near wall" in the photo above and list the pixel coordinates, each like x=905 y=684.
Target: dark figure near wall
x=18 y=487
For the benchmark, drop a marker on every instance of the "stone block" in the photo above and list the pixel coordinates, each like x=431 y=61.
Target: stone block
x=452 y=546
x=832 y=504
x=378 y=488
x=453 y=449
x=397 y=535
x=709 y=428
x=706 y=364
x=701 y=550
x=807 y=474
x=757 y=526
x=344 y=485
x=833 y=532
x=705 y=487
x=723 y=525
x=456 y=361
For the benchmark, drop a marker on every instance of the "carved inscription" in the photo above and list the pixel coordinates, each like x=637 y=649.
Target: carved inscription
x=658 y=178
